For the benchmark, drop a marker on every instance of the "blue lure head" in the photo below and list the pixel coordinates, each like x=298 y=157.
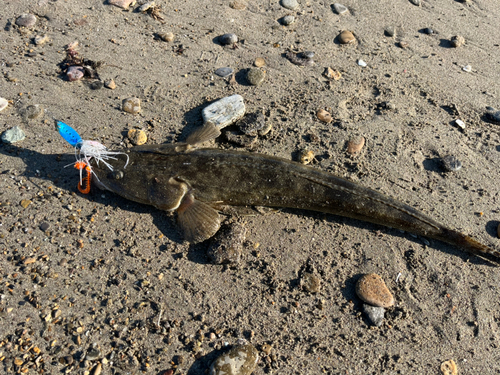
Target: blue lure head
x=69 y=134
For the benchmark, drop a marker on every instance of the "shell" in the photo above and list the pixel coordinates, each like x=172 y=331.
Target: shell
x=324 y=116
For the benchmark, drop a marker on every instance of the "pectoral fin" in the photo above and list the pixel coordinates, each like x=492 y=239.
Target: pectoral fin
x=206 y=133
x=166 y=193
x=198 y=220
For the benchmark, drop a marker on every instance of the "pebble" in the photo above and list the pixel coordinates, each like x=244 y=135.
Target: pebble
x=259 y=62
x=254 y=124
x=449 y=367
x=75 y=73
x=324 y=116
x=44 y=226
x=137 y=137
x=228 y=39
x=40 y=40
x=460 y=124
x=26 y=20
x=225 y=111
x=371 y=289
x=375 y=314
x=299 y=59
x=124 y=4
x=346 y=37
x=13 y=135
x=238 y=5
x=239 y=360
x=227 y=245
x=110 y=84
x=457 y=41
x=311 y=282
x=402 y=44
x=146 y=6
x=166 y=37
x=339 y=8
x=93 y=354
x=428 y=31
x=467 y=68
x=355 y=145
x=290 y=4
x=451 y=163
x=96 y=85
x=416 y=2
x=25 y=203
x=332 y=74
x=32 y=112
x=492 y=114
x=255 y=76
x=3 y=104
x=307 y=55
x=224 y=72
x=306 y=157
x=362 y=64
x=390 y=31
x=132 y=105
x=288 y=20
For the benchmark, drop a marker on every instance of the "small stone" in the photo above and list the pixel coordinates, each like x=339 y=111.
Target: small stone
x=18 y=362
x=228 y=39
x=132 y=105
x=362 y=64
x=13 y=135
x=44 y=226
x=32 y=112
x=259 y=62
x=96 y=85
x=124 y=4
x=93 y=354
x=371 y=289
x=290 y=4
x=288 y=20
x=239 y=139
x=110 y=84
x=355 y=145
x=306 y=156
x=332 y=74
x=75 y=73
x=137 y=137
x=390 y=31
x=224 y=72
x=311 y=282
x=460 y=124
x=451 y=163
x=166 y=37
x=307 y=55
x=467 y=68
x=346 y=37
x=457 y=41
x=26 y=20
x=324 y=116
x=416 y=2
x=449 y=367
x=238 y=5
x=40 y=40
x=374 y=314
x=403 y=44
x=492 y=115
x=239 y=360
x=3 y=104
x=339 y=8
x=146 y=6
x=25 y=203
x=428 y=31
x=390 y=106
x=97 y=369
x=227 y=245
x=299 y=59
x=255 y=76
x=225 y=111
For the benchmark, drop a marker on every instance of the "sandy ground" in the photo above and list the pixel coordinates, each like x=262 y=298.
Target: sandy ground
x=114 y=279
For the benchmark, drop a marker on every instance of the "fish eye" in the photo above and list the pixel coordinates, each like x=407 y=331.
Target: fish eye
x=117 y=175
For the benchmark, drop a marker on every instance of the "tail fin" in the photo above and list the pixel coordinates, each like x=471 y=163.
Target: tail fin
x=470 y=244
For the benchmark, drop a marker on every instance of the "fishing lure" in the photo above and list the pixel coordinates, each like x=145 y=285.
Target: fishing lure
x=85 y=150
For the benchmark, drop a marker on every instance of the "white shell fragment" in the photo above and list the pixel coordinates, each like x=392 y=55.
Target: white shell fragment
x=460 y=124
x=362 y=64
x=225 y=111
x=467 y=68
x=3 y=104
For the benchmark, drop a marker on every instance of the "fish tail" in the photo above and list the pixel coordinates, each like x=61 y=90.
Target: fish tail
x=470 y=244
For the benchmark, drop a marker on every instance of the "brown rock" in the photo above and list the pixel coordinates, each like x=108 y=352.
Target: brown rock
x=449 y=368
x=110 y=84
x=371 y=288
x=132 y=105
x=137 y=137
x=346 y=37
x=324 y=116
x=311 y=282
x=332 y=74
x=166 y=37
x=259 y=62
x=355 y=145
x=457 y=41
